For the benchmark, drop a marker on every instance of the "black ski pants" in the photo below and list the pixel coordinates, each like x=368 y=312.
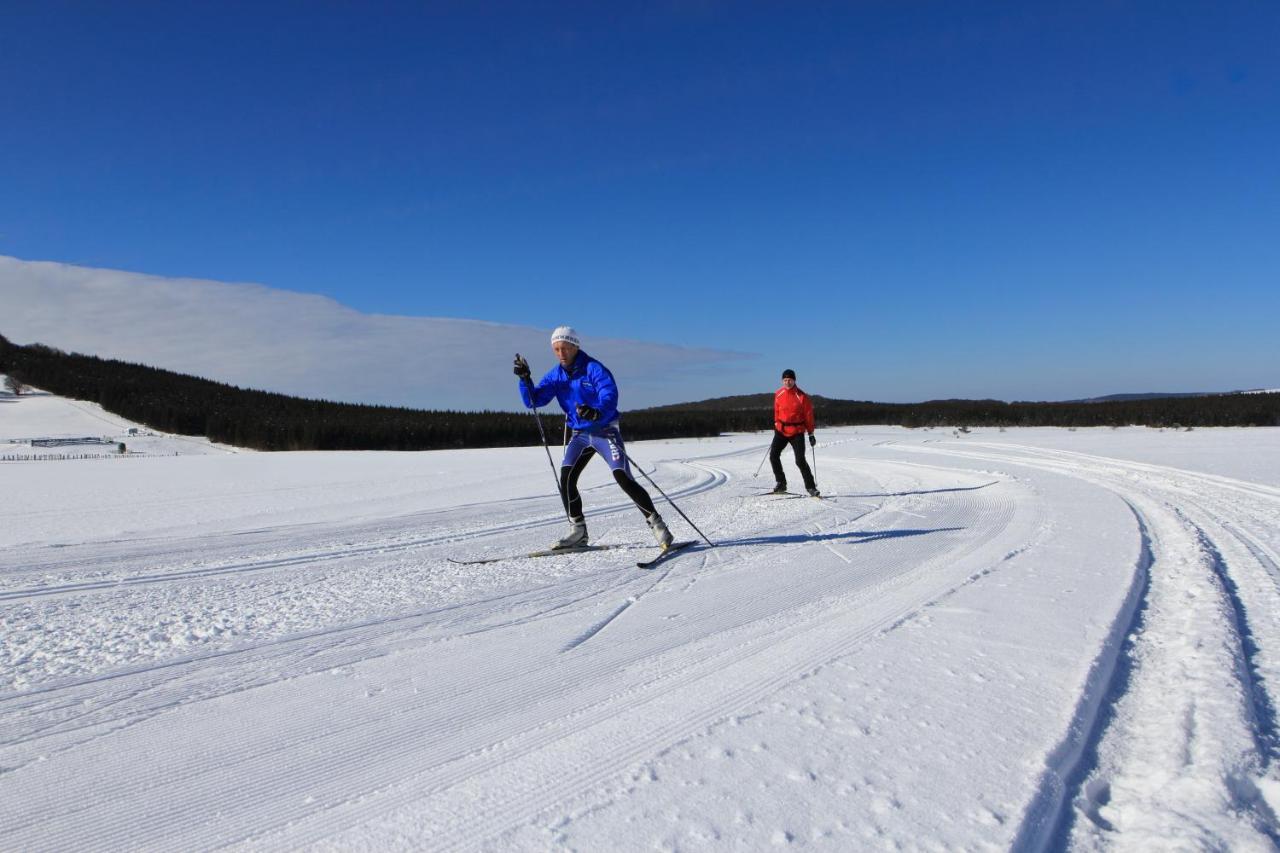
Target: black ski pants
x=775 y=458
x=573 y=498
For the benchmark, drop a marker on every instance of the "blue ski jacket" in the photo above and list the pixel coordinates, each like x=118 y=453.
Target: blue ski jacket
x=586 y=381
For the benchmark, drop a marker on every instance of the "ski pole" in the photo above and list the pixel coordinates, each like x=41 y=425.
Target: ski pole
x=545 y=447
x=761 y=465
x=541 y=432
x=814 y=448
x=631 y=461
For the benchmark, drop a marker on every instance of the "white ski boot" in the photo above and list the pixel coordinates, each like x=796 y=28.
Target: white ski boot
x=577 y=536
x=660 y=531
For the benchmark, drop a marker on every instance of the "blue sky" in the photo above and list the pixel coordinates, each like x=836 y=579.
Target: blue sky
x=900 y=200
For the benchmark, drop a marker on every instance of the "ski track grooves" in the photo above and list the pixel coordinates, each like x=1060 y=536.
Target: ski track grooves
x=1263 y=707
x=634 y=599
x=714 y=479
x=786 y=645
x=757 y=678
x=1049 y=815
x=422 y=733
x=1213 y=512
x=361 y=754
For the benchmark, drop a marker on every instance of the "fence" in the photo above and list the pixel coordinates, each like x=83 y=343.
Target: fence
x=53 y=457
x=65 y=442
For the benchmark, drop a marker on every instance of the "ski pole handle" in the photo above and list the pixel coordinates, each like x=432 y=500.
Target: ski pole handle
x=520 y=368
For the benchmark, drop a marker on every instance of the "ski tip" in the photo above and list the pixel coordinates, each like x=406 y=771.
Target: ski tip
x=666 y=552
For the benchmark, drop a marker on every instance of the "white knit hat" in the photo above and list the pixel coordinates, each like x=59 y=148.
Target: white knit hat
x=566 y=333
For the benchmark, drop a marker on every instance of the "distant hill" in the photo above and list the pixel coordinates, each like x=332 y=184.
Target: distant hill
x=1159 y=395
x=1150 y=395
x=750 y=401
x=187 y=405
x=755 y=411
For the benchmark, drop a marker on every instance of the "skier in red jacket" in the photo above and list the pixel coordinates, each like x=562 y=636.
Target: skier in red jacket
x=792 y=418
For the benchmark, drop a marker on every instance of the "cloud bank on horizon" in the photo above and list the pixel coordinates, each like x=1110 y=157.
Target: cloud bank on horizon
x=312 y=346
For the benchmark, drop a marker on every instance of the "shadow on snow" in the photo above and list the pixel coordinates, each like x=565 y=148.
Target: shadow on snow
x=854 y=536
x=922 y=492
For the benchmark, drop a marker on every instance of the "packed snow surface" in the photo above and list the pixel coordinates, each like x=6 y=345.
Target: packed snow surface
x=1032 y=639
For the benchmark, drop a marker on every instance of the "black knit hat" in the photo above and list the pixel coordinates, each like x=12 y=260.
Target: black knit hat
x=788 y=374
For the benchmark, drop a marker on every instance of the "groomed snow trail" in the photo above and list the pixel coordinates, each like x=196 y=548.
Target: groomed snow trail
x=973 y=644
x=1188 y=752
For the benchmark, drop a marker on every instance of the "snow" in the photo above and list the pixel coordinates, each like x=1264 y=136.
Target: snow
x=1024 y=638
x=37 y=414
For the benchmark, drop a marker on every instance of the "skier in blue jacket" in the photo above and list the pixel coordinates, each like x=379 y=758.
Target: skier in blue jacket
x=586 y=392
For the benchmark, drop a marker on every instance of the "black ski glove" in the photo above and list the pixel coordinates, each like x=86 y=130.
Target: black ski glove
x=587 y=413
x=521 y=368
x=813 y=440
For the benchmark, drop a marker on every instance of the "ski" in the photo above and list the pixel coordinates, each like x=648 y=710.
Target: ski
x=783 y=495
x=670 y=551
x=548 y=552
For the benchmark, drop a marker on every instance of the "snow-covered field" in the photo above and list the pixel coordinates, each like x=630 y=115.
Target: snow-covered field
x=1029 y=639
x=40 y=426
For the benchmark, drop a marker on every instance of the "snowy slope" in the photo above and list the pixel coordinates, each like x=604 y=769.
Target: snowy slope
x=40 y=416
x=1021 y=639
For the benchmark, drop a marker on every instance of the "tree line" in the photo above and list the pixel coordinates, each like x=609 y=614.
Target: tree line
x=744 y=412
x=187 y=405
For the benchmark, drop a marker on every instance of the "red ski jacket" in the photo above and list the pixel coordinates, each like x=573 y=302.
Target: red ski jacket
x=792 y=412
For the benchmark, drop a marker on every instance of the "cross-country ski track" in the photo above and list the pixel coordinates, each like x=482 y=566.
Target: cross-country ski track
x=972 y=642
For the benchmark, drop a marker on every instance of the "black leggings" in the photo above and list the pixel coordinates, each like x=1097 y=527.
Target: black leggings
x=775 y=458
x=573 y=499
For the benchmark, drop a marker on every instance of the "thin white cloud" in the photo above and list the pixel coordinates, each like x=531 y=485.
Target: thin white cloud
x=259 y=337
